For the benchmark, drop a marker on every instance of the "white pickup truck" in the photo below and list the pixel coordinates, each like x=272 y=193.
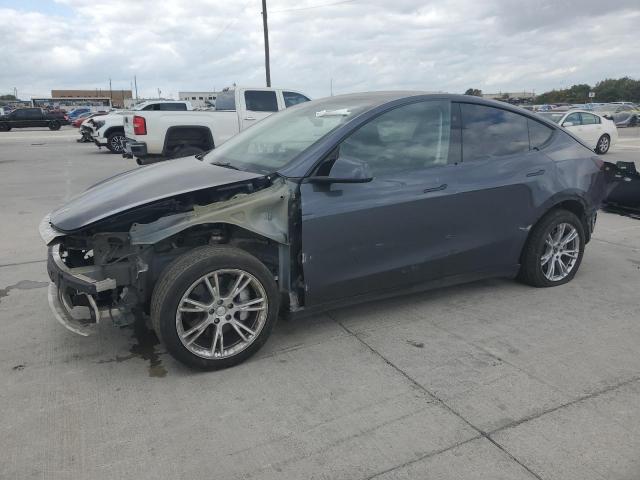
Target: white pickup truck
x=159 y=135
x=108 y=130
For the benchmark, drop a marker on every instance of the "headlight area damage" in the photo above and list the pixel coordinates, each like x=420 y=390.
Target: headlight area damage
x=107 y=270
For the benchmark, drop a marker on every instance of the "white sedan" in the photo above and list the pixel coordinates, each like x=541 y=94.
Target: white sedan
x=595 y=130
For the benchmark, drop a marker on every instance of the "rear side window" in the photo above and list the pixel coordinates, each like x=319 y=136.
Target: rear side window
x=492 y=132
x=293 y=98
x=589 y=119
x=226 y=100
x=539 y=134
x=172 y=106
x=261 y=101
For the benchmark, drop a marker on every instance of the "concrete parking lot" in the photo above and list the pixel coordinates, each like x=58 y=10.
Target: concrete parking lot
x=489 y=380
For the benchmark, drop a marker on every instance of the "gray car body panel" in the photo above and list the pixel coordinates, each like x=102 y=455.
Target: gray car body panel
x=142 y=186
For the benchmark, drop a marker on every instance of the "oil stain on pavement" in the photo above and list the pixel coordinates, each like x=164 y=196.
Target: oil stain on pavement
x=22 y=285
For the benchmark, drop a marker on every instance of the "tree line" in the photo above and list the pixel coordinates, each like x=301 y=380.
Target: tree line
x=608 y=90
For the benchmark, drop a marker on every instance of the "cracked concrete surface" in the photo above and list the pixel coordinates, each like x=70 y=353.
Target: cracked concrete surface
x=492 y=379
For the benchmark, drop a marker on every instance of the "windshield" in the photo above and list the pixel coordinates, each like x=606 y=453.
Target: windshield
x=274 y=142
x=554 y=117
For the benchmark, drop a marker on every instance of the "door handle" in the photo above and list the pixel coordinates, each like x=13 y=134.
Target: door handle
x=249 y=118
x=435 y=189
x=535 y=174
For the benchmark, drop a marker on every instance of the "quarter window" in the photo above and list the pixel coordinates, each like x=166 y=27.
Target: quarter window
x=261 y=101
x=539 y=134
x=293 y=98
x=411 y=137
x=492 y=132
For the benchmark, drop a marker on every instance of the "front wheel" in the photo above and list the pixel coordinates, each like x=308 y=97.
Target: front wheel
x=554 y=250
x=604 y=142
x=54 y=125
x=115 y=142
x=4 y=127
x=214 y=307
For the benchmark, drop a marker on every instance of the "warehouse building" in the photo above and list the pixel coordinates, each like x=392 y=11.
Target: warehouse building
x=117 y=97
x=199 y=99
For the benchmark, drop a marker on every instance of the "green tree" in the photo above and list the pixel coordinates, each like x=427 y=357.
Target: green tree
x=7 y=97
x=473 y=91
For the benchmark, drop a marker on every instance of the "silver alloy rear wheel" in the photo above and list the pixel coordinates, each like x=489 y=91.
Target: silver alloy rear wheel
x=603 y=144
x=562 y=248
x=221 y=313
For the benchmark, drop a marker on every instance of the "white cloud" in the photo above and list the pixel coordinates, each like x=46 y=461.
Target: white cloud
x=445 y=45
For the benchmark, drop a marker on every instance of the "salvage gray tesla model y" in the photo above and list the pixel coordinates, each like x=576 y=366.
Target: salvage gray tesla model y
x=330 y=202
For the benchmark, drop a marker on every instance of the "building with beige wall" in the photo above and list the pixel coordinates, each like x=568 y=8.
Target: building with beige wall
x=117 y=97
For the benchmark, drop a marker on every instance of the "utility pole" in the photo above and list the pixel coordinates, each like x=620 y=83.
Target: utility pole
x=110 y=91
x=135 y=82
x=15 y=92
x=266 y=42
x=331 y=86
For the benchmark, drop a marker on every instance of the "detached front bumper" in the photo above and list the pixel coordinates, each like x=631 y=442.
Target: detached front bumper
x=72 y=288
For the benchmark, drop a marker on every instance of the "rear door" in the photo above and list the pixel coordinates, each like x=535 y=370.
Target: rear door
x=256 y=105
x=503 y=171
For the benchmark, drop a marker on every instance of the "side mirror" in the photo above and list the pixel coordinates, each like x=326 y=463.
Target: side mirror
x=345 y=170
x=567 y=124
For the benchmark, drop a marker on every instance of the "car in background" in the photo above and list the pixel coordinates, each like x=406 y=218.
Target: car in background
x=76 y=112
x=597 y=131
x=85 y=129
x=327 y=203
x=164 y=134
x=108 y=131
x=32 y=117
x=80 y=118
x=622 y=114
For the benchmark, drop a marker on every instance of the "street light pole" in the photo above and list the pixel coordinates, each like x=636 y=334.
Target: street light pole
x=266 y=42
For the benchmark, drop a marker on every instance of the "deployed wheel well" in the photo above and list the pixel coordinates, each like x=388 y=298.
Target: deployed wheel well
x=187 y=136
x=578 y=210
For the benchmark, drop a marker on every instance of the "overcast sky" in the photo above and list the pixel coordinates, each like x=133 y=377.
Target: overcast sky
x=439 y=45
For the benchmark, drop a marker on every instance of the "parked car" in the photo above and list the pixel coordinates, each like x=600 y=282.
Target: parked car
x=108 y=131
x=76 y=112
x=595 y=130
x=328 y=203
x=160 y=135
x=623 y=115
x=85 y=128
x=31 y=117
x=80 y=118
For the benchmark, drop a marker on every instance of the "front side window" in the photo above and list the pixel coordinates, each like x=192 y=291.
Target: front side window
x=408 y=138
x=293 y=98
x=492 y=132
x=573 y=118
x=261 y=101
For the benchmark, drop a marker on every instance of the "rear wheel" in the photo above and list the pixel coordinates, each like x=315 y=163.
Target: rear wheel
x=554 y=250
x=115 y=142
x=54 y=125
x=214 y=307
x=604 y=142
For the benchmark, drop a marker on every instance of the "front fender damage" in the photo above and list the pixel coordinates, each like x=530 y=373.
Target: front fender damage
x=264 y=212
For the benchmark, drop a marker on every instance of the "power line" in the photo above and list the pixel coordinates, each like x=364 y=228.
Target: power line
x=295 y=9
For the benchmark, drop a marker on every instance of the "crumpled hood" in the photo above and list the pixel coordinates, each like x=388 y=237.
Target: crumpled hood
x=142 y=186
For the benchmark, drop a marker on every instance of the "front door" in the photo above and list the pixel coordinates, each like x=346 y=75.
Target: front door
x=391 y=232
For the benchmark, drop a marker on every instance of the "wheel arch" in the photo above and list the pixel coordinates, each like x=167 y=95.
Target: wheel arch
x=112 y=130
x=194 y=135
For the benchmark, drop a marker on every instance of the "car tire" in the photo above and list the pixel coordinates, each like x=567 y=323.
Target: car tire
x=4 y=127
x=186 y=151
x=54 y=125
x=174 y=313
x=604 y=142
x=544 y=251
x=115 y=142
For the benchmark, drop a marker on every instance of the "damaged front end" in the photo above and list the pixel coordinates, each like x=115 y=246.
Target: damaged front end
x=106 y=271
